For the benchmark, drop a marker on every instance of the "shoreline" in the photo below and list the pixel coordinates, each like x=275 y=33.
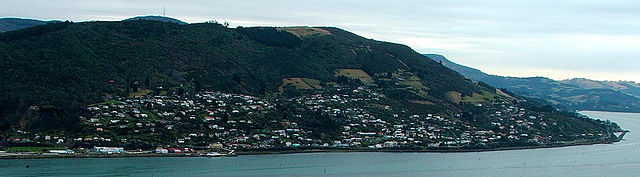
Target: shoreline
x=318 y=150
x=451 y=150
x=630 y=112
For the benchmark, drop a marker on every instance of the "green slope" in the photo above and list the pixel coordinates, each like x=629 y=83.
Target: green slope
x=64 y=66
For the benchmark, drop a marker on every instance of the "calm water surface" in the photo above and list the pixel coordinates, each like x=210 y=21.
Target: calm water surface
x=619 y=159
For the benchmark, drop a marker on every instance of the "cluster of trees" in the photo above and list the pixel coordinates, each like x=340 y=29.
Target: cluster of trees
x=270 y=36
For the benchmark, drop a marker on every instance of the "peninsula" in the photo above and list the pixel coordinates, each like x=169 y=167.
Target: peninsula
x=153 y=87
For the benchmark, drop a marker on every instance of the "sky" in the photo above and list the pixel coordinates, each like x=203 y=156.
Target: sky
x=598 y=40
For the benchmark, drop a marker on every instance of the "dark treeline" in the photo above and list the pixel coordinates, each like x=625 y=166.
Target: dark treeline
x=270 y=36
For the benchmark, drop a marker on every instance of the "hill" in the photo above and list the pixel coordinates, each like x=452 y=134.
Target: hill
x=157 y=18
x=627 y=87
x=574 y=94
x=144 y=84
x=10 y=24
x=76 y=64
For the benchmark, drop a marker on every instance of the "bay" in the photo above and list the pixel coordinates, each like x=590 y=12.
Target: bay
x=618 y=159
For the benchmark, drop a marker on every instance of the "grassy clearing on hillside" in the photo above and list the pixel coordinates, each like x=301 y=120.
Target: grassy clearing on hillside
x=141 y=92
x=411 y=80
x=355 y=74
x=454 y=96
x=475 y=98
x=303 y=31
x=301 y=83
x=414 y=82
x=500 y=92
x=312 y=82
x=296 y=82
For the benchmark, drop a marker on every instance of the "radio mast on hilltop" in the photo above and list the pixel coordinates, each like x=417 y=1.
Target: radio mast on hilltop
x=164 y=10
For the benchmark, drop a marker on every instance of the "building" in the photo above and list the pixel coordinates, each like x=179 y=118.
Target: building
x=68 y=151
x=109 y=150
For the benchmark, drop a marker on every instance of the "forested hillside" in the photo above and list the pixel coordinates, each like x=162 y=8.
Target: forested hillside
x=49 y=72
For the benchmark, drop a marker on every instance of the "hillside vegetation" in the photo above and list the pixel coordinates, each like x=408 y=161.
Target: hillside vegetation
x=51 y=71
x=143 y=84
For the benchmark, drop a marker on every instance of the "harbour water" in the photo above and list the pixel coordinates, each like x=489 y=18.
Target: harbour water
x=618 y=159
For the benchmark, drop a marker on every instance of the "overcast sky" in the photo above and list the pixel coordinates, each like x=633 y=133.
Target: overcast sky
x=557 y=39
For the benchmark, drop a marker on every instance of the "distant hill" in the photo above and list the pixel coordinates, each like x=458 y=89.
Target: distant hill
x=574 y=94
x=157 y=18
x=10 y=24
x=628 y=87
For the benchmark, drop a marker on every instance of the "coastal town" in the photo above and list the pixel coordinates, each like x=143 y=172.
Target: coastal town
x=342 y=117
